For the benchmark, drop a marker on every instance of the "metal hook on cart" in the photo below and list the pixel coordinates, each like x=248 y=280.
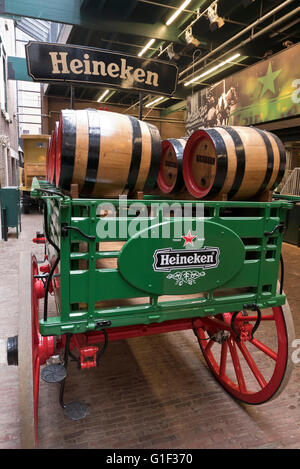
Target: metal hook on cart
x=65 y=228
x=252 y=307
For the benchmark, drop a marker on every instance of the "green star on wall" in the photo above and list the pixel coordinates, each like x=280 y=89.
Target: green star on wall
x=268 y=80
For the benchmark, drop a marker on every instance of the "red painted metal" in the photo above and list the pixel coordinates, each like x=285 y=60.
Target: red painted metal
x=88 y=357
x=127 y=332
x=39 y=240
x=39 y=289
x=79 y=341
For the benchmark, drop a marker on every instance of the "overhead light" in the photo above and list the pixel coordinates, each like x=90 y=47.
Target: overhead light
x=102 y=96
x=214 y=19
x=190 y=39
x=170 y=51
x=177 y=12
x=213 y=69
x=149 y=44
x=152 y=103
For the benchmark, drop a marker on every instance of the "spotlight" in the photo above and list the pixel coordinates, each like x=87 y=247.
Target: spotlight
x=216 y=22
x=170 y=51
x=190 y=39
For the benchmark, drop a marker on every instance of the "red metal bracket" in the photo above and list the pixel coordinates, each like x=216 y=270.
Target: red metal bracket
x=39 y=240
x=88 y=357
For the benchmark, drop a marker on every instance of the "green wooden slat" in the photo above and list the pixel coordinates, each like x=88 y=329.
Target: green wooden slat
x=104 y=279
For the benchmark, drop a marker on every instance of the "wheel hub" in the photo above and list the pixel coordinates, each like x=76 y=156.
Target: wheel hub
x=12 y=350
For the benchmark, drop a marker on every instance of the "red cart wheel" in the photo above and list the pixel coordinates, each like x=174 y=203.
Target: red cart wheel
x=251 y=370
x=33 y=349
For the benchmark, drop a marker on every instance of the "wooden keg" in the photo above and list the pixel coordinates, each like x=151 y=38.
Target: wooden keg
x=106 y=153
x=170 y=177
x=51 y=163
x=241 y=162
x=48 y=158
x=52 y=154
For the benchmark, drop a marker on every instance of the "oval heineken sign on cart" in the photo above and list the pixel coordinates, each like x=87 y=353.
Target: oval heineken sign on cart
x=181 y=265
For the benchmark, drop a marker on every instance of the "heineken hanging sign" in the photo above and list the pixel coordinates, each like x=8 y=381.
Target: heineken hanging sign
x=266 y=91
x=77 y=64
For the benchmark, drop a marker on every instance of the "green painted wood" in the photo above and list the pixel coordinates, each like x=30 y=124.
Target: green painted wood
x=146 y=314
x=253 y=279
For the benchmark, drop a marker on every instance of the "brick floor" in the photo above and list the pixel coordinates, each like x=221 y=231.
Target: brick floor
x=152 y=392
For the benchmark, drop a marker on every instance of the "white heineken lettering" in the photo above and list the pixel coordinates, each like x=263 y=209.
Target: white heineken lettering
x=56 y=62
x=152 y=79
x=87 y=64
x=125 y=70
x=164 y=260
x=139 y=75
x=61 y=65
x=113 y=70
x=99 y=65
x=167 y=259
x=76 y=66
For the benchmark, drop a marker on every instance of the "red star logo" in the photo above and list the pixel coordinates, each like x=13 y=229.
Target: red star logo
x=188 y=239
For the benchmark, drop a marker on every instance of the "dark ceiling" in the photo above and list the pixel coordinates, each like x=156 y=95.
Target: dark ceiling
x=143 y=20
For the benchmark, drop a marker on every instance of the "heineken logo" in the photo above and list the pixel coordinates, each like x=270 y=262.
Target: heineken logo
x=48 y=62
x=169 y=259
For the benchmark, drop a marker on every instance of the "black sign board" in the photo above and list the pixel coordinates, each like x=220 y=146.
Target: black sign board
x=77 y=64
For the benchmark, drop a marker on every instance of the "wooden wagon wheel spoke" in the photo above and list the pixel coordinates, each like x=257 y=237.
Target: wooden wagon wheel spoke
x=252 y=365
x=237 y=366
x=264 y=348
x=209 y=345
x=243 y=376
x=223 y=360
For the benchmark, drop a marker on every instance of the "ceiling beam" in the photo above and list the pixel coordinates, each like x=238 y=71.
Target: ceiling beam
x=69 y=12
x=130 y=9
x=179 y=106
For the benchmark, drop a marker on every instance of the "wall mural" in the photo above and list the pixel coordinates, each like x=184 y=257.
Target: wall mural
x=266 y=91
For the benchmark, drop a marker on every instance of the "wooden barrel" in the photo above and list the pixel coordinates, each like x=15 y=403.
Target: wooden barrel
x=106 y=153
x=51 y=159
x=170 y=177
x=48 y=158
x=52 y=154
x=241 y=162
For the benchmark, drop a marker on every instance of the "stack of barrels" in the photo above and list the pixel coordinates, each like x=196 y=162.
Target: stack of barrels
x=107 y=154
x=236 y=162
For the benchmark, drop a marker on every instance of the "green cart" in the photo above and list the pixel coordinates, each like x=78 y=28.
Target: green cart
x=125 y=268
